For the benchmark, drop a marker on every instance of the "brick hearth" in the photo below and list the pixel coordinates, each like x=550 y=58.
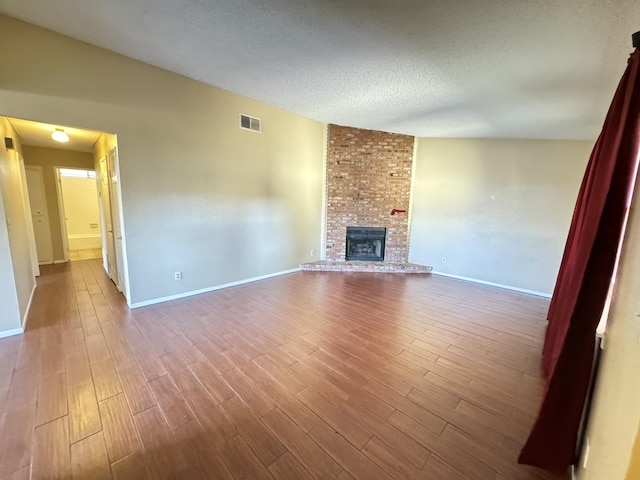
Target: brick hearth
x=381 y=267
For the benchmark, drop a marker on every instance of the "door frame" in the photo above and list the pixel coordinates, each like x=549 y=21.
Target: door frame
x=62 y=214
x=115 y=197
x=109 y=245
x=104 y=221
x=61 y=206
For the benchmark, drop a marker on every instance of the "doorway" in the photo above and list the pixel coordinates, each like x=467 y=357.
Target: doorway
x=88 y=157
x=80 y=218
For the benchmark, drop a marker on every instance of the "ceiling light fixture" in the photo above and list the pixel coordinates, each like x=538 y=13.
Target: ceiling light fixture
x=59 y=136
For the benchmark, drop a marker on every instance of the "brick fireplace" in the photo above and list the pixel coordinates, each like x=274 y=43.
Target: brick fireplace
x=368 y=194
x=368 y=176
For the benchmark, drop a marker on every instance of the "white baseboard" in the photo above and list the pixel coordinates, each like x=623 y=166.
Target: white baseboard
x=492 y=284
x=210 y=289
x=9 y=333
x=26 y=312
x=57 y=262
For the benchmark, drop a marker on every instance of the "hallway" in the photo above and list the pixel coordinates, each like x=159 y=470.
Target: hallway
x=308 y=375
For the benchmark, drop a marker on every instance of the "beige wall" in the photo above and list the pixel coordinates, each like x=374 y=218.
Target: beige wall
x=48 y=158
x=633 y=473
x=9 y=309
x=498 y=210
x=616 y=408
x=199 y=194
x=16 y=273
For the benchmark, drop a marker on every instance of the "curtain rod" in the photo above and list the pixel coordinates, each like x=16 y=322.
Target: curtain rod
x=635 y=38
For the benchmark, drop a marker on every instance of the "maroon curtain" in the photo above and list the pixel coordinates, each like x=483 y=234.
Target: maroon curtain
x=583 y=281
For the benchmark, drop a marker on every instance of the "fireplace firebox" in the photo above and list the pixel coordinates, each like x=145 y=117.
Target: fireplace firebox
x=365 y=244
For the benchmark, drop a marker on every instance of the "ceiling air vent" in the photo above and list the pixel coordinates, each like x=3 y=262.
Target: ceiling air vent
x=250 y=123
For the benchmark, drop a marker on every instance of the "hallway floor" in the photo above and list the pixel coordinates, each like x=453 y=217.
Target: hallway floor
x=308 y=375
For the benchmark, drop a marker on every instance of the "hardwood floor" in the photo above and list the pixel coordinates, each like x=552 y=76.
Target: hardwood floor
x=309 y=375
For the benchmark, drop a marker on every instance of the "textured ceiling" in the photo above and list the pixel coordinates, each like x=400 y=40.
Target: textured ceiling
x=454 y=68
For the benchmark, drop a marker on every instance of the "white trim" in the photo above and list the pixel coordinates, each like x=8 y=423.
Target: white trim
x=118 y=227
x=323 y=228
x=411 y=190
x=84 y=241
x=99 y=162
x=62 y=215
x=492 y=284
x=26 y=311
x=210 y=289
x=9 y=333
x=83 y=235
x=57 y=262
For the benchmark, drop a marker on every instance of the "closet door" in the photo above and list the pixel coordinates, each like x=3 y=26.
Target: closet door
x=39 y=214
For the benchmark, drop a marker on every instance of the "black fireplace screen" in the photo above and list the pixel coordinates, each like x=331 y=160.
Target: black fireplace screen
x=366 y=243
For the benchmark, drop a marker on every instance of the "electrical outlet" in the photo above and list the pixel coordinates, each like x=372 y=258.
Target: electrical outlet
x=312 y=253
x=444 y=259
x=177 y=276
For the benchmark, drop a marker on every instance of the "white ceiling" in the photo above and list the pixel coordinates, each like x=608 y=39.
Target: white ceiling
x=39 y=135
x=454 y=68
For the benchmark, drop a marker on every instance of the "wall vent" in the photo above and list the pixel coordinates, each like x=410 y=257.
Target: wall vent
x=8 y=143
x=250 y=123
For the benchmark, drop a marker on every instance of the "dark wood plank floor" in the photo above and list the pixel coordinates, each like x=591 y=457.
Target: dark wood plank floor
x=309 y=375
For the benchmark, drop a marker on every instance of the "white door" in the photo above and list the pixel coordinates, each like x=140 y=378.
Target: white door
x=105 y=224
x=112 y=168
x=39 y=214
x=105 y=195
x=63 y=216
